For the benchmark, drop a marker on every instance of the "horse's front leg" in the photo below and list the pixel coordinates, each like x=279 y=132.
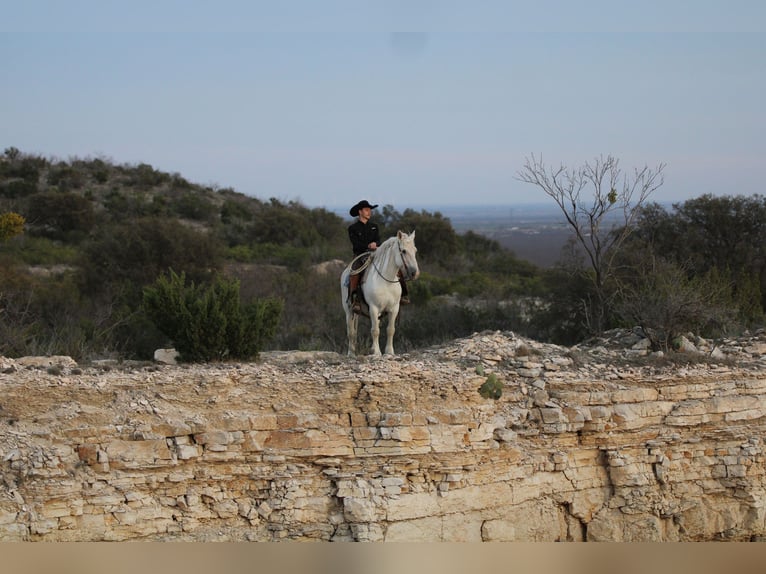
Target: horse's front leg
x=390 y=328
x=375 y=330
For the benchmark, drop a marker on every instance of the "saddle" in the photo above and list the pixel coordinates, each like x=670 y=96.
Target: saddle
x=360 y=263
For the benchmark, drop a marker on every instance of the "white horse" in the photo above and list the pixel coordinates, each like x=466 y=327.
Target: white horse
x=381 y=289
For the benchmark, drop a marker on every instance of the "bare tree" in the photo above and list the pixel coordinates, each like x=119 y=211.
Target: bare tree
x=600 y=204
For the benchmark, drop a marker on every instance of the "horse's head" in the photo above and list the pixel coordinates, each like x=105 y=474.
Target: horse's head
x=407 y=254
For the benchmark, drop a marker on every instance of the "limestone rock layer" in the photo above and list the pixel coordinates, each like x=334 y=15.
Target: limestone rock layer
x=584 y=444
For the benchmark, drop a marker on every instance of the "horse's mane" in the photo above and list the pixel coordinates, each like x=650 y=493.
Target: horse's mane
x=384 y=248
x=388 y=242
x=382 y=254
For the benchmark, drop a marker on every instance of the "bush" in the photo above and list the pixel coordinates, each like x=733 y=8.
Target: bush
x=492 y=388
x=665 y=303
x=562 y=316
x=144 y=176
x=727 y=233
x=10 y=224
x=65 y=177
x=250 y=329
x=42 y=315
x=61 y=215
x=134 y=254
x=209 y=323
x=16 y=188
x=195 y=207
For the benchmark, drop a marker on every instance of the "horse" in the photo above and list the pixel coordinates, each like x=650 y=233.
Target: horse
x=381 y=288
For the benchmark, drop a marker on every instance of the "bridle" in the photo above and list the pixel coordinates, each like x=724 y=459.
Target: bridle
x=404 y=264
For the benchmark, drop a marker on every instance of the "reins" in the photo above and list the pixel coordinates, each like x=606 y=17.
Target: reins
x=374 y=264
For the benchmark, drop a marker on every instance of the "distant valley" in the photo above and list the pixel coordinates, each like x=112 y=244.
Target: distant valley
x=534 y=232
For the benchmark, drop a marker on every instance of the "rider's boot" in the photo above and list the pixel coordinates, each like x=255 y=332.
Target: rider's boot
x=353 y=288
x=405 y=298
x=356 y=305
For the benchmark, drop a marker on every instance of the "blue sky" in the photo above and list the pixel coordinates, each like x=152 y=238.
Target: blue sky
x=414 y=104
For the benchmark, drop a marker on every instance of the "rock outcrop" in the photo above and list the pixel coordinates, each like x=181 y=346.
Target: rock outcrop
x=596 y=443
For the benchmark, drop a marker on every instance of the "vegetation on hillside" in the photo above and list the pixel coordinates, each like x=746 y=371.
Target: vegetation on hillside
x=89 y=248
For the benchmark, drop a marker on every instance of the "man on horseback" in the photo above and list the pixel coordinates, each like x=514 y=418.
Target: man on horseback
x=365 y=238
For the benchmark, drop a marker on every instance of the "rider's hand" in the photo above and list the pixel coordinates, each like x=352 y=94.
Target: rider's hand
x=372 y=246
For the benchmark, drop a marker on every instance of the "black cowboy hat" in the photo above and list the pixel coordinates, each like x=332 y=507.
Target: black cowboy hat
x=354 y=211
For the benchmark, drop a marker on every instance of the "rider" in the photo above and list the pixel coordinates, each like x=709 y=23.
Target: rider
x=365 y=238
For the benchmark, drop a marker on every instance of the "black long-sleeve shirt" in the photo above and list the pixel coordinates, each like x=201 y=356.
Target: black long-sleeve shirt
x=362 y=234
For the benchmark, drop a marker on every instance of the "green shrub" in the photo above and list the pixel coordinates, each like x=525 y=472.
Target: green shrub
x=61 y=215
x=250 y=329
x=232 y=211
x=194 y=206
x=144 y=176
x=65 y=177
x=134 y=254
x=16 y=188
x=492 y=388
x=208 y=323
x=240 y=253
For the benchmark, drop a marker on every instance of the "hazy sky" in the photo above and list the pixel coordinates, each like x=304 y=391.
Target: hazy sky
x=408 y=103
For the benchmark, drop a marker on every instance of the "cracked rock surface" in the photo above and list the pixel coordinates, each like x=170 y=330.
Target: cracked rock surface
x=605 y=441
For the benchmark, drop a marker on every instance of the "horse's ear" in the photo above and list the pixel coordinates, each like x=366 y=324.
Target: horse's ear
x=399 y=234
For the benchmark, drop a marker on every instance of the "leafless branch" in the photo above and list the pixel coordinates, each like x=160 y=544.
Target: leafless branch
x=594 y=220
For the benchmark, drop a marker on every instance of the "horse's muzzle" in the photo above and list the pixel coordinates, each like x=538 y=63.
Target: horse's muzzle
x=411 y=273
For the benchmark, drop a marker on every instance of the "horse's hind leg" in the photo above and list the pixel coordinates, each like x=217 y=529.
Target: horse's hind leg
x=351 y=329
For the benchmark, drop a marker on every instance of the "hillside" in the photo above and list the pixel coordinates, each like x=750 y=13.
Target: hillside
x=97 y=234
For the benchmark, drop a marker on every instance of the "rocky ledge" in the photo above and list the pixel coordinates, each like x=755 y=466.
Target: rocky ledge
x=600 y=442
